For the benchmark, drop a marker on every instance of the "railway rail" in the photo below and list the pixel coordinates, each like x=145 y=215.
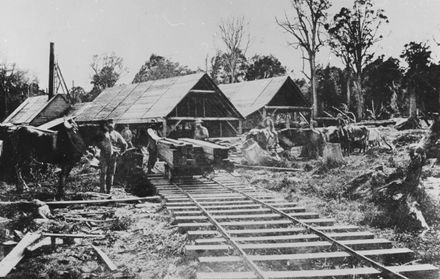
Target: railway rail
x=241 y=232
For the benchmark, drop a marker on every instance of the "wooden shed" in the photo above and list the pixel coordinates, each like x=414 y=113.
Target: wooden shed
x=279 y=96
x=38 y=110
x=175 y=102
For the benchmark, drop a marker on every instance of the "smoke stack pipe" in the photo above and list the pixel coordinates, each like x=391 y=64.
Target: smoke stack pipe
x=51 y=70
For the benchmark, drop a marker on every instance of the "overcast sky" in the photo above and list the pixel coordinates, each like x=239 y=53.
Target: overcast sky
x=185 y=31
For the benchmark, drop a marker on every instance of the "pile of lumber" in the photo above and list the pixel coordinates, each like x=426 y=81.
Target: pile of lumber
x=212 y=151
x=185 y=152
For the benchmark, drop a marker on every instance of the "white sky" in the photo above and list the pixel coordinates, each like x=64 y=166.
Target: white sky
x=183 y=30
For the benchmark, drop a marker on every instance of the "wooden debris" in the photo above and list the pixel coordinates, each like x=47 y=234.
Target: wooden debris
x=108 y=262
x=267 y=168
x=46 y=241
x=15 y=256
x=100 y=202
x=387 y=122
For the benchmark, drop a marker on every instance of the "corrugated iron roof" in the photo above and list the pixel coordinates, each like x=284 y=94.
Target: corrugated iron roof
x=27 y=110
x=250 y=96
x=137 y=103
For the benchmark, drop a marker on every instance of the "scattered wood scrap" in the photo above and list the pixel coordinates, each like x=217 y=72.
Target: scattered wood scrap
x=108 y=262
x=100 y=202
x=377 y=123
x=15 y=256
x=267 y=168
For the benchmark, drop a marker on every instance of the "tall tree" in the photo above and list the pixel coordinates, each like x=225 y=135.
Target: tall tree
x=236 y=38
x=107 y=69
x=382 y=84
x=421 y=77
x=306 y=27
x=15 y=87
x=353 y=33
x=264 y=66
x=330 y=86
x=158 y=67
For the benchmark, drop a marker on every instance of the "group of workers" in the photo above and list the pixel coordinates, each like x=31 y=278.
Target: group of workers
x=113 y=144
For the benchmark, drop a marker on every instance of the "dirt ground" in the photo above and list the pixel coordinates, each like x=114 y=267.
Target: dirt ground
x=143 y=243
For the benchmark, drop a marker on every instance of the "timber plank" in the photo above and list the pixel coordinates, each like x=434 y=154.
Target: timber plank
x=16 y=254
x=294 y=237
x=358 y=243
x=412 y=271
x=309 y=256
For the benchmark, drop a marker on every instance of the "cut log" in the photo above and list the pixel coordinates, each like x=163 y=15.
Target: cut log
x=101 y=202
x=108 y=262
x=15 y=256
x=376 y=123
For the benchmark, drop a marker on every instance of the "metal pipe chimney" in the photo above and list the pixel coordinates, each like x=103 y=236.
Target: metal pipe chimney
x=51 y=70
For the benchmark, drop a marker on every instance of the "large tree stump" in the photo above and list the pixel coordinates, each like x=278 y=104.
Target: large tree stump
x=332 y=154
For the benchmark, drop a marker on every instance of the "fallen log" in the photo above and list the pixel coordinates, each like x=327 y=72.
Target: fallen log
x=15 y=256
x=108 y=262
x=70 y=235
x=376 y=123
x=100 y=202
x=267 y=168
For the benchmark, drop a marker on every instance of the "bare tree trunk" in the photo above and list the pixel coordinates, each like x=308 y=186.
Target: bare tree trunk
x=348 y=84
x=412 y=102
x=313 y=85
x=4 y=95
x=359 y=98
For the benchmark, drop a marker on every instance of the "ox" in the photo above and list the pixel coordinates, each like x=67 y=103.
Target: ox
x=63 y=148
x=311 y=139
x=354 y=137
x=266 y=138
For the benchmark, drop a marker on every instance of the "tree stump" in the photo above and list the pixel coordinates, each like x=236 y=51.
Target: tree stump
x=332 y=154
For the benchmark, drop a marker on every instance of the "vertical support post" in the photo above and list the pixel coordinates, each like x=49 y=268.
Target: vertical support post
x=164 y=128
x=204 y=108
x=221 y=129
x=51 y=70
x=311 y=118
x=288 y=117
x=240 y=127
x=264 y=113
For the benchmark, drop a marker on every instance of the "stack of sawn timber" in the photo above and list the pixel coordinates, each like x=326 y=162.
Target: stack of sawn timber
x=213 y=152
x=186 y=152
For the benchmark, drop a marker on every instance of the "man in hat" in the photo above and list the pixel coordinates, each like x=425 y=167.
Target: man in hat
x=111 y=145
x=127 y=135
x=200 y=132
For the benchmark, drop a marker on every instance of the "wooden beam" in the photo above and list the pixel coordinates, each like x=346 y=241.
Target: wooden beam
x=232 y=126
x=267 y=168
x=204 y=118
x=240 y=127
x=99 y=202
x=202 y=91
x=15 y=256
x=108 y=262
x=289 y=108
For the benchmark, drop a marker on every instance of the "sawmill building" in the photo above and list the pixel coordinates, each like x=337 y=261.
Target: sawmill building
x=278 y=96
x=174 y=102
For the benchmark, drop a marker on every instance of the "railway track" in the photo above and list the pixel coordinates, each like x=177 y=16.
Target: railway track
x=241 y=232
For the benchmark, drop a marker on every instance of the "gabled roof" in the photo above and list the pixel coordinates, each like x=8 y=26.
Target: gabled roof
x=27 y=110
x=250 y=96
x=32 y=108
x=140 y=102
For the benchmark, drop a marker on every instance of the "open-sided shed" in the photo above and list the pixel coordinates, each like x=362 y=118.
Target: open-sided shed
x=175 y=102
x=38 y=110
x=278 y=95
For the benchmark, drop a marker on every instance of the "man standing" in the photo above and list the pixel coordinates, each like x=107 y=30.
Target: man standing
x=153 y=137
x=127 y=135
x=200 y=132
x=111 y=145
